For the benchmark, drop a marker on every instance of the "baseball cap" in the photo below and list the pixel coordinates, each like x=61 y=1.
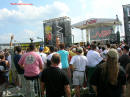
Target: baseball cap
x=46 y=50
x=41 y=49
x=79 y=49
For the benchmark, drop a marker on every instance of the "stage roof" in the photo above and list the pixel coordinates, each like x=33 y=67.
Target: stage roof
x=95 y=22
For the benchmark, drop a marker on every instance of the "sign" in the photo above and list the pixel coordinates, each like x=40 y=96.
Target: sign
x=90 y=22
x=100 y=33
x=103 y=33
x=48 y=32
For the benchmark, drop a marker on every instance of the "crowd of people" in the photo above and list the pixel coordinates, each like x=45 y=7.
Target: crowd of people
x=53 y=71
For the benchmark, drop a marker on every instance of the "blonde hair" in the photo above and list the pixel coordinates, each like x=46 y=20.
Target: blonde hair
x=111 y=68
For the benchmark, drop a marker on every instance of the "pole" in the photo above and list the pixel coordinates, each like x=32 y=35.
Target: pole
x=82 y=36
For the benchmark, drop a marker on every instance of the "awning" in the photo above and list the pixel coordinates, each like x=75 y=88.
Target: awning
x=95 y=22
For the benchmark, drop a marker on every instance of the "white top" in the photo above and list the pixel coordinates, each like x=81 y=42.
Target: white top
x=104 y=54
x=79 y=62
x=94 y=58
x=44 y=57
x=9 y=60
x=50 y=56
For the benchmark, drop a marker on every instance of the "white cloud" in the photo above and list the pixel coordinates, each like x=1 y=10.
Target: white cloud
x=83 y=4
x=30 y=18
x=28 y=13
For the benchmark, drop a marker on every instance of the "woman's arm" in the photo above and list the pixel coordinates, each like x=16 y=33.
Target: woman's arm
x=7 y=64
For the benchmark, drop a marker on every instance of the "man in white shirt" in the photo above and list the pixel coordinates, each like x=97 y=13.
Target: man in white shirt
x=43 y=55
x=78 y=64
x=93 y=57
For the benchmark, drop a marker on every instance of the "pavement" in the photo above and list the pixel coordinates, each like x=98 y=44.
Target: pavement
x=12 y=91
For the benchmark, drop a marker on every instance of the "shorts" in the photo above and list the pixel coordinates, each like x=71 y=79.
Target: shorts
x=78 y=78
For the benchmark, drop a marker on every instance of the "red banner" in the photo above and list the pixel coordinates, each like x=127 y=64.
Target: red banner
x=103 y=33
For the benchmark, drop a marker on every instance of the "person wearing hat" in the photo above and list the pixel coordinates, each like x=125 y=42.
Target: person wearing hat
x=78 y=64
x=109 y=79
x=46 y=50
x=43 y=55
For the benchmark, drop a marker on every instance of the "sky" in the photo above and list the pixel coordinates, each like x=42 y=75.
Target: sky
x=26 y=21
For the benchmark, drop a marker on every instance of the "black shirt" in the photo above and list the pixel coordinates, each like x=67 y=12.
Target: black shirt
x=124 y=60
x=3 y=72
x=55 y=80
x=16 y=60
x=104 y=88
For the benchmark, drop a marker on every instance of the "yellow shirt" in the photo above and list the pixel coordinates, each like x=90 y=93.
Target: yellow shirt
x=72 y=53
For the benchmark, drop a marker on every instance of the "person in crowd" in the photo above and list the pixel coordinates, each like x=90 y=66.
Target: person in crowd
x=113 y=46
x=128 y=80
x=108 y=47
x=78 y=63
x=72 y=52
x=94 y=59
x=123 y=44
x=46 y=50
x=43 y=55
x=12 y=69
x=109 y=79
x=125 y=59
x=6 y=53
x=7 y=65
x=20 y=71
x=64 y=59
x=119 y=51
x=33 y=65
x=4 y=65
x=85 y=50
x=103 y=53
x=54 y=80
x=52 y=52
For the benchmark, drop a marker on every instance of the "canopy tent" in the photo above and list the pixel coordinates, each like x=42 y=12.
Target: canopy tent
x=98 y=28
x=95 y=22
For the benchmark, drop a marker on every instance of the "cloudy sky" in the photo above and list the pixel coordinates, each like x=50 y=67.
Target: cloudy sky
x=25 y=21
